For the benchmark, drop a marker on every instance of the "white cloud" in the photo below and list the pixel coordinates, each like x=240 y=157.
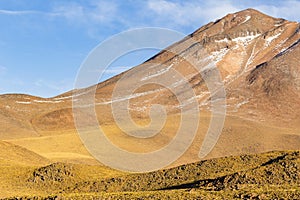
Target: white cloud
x=194 y=13
x=28 y=12
x=72 y=11
x=213 y=10
x=105 y=11
x=189 y=13
x=288 y=9
x=18 y=12
x=92 y=15
x=95 y=12
x=164 y=13
x=100 y=16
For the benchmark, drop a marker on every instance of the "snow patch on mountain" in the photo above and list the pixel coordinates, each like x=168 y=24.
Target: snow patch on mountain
x=242 y=103
x=128 y=97
x=23 y=102
x=45 y=101
x=222 y=40
x=247 y=19
x=270 y=39
x=245 y=40
x=72 y=96
x=158 y=73
x=217 y=56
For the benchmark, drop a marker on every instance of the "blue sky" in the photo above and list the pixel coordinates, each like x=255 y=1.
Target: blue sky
x=43 y=43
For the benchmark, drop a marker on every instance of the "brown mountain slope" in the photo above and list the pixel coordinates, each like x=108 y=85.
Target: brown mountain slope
x=257 y=56
x=14 y=154
x=237 y=44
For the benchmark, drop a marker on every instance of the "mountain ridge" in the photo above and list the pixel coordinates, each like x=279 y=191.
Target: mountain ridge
x=256 y=56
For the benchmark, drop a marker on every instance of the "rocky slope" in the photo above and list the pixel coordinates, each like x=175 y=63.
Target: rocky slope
x=271 y=175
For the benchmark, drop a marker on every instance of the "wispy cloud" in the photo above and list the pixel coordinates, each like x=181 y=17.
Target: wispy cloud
x=188 y=13
x=163 y=13
x=91 y=16
x=28 y=12
x=194 y=12
x=288 y=9
x=19 y=12
x=94 y=12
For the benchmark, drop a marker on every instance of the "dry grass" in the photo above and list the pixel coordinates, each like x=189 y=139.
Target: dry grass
x=246 y=176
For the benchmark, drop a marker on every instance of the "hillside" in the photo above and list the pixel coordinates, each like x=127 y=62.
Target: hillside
x=269 y=175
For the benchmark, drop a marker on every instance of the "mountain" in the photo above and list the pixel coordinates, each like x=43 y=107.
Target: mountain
x=258 y=60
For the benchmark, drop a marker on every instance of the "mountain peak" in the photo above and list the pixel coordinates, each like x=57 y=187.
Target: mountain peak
x=245 y=22
x=250 y=15
x=252 y=12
